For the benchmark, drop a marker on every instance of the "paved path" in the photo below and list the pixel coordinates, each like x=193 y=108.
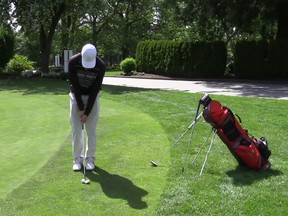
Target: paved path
x=278 y=90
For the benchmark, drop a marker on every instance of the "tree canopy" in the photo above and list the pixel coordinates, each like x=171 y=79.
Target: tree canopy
x=116 y=26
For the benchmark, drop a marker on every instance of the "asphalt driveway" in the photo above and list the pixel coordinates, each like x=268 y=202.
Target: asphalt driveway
x=277 y=90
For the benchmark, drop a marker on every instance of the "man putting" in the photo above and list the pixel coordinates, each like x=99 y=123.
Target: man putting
x=86 y=71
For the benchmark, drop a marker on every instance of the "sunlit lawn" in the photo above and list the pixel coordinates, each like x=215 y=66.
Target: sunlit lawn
x=136 y=126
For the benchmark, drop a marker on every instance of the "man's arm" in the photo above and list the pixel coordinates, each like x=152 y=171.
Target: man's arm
x=74 y=82
x=96 y=87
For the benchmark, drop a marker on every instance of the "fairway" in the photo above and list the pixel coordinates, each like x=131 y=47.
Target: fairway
x=37 y=176
x=135 y=126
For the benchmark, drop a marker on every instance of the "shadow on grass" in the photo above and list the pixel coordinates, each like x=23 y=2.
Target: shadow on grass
x=262 y=88
x=118 y=187
x=53 y=86
x=35 y=86
x=117 y=90
x=244 y=176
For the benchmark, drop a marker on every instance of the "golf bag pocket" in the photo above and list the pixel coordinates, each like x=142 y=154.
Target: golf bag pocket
x=249 y=155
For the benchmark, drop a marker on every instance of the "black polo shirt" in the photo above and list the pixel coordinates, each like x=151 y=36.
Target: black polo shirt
x=84 y=81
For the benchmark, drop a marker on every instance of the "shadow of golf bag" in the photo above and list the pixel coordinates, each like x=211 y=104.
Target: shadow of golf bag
x=247 y=150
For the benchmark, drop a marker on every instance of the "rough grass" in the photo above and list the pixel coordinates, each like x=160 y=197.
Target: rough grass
x=224 y=188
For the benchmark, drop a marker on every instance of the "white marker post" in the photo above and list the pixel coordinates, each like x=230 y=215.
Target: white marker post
x=67 y=55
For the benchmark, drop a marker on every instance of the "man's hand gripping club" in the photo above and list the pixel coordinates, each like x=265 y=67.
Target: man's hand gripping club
x=83 y=117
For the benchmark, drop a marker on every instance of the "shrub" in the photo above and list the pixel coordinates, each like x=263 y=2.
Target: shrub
x=114 y=67
x=128 y=65
x=18 y=64
x=63 y=76
x=31 y=73
x=51 y=75
x=55 y=69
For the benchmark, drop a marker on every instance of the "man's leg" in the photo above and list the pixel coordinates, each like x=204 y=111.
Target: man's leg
x=91 y=124
x=77 y=136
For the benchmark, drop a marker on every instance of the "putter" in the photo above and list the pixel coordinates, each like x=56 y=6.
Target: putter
x=84 y=180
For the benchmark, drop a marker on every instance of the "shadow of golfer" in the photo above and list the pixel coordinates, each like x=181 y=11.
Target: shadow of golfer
x=244 y=176
x=118 y=187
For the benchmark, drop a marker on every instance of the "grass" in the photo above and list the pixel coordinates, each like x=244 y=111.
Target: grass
x=113 y=73
x=121 y=180
x=136 y=125
x=224 y=188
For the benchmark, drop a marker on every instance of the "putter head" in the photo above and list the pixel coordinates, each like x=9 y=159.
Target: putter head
x=85 y=181
x=154 y=164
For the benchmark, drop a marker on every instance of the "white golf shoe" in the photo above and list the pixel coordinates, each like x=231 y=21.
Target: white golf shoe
x=77 y=164
x=90 y=164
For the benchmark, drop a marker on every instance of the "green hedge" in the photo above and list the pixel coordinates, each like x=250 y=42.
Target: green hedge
x=250 y=59
x=277 y=59
x=7 y=44
x=182 y=59
x=261 y=59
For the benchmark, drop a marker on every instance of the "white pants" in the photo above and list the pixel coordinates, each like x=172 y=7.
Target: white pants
x=90 y=127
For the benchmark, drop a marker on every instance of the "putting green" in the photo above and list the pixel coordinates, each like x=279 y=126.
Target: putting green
x=37 y=160
x=31 y=131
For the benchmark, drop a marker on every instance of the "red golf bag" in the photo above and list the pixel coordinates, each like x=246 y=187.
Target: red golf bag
x=247 y=150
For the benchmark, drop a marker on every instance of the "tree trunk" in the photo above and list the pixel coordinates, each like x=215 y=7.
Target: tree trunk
x=125 y=52
x=66 y=28
x=44 y=54
x=94 y=31
x=46 y=41
x=282 y=32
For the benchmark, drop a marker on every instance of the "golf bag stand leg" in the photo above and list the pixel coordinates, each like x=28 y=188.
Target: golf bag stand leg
x=208 y=152
x=192 y=132
x=191 y=126
x=189 y=143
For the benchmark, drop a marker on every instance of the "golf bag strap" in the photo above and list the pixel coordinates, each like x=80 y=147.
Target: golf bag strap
x=237 y=117
x=229 y=127
x=230 y=111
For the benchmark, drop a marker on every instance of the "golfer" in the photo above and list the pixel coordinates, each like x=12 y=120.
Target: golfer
x=86 y=72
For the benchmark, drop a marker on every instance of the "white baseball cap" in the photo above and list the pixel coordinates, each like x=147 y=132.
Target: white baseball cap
x=89 y=54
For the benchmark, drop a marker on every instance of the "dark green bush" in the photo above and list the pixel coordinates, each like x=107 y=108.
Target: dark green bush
x=277 y=59
x=7 y=43
x=250 y=59
x=55 y=69
x=261 y=59
x=114 y=67
x=182 y=59
x=63 y=76
x=18 y=64
x=128 y=65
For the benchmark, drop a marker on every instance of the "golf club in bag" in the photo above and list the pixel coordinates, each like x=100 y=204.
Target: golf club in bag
x=84 y=180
